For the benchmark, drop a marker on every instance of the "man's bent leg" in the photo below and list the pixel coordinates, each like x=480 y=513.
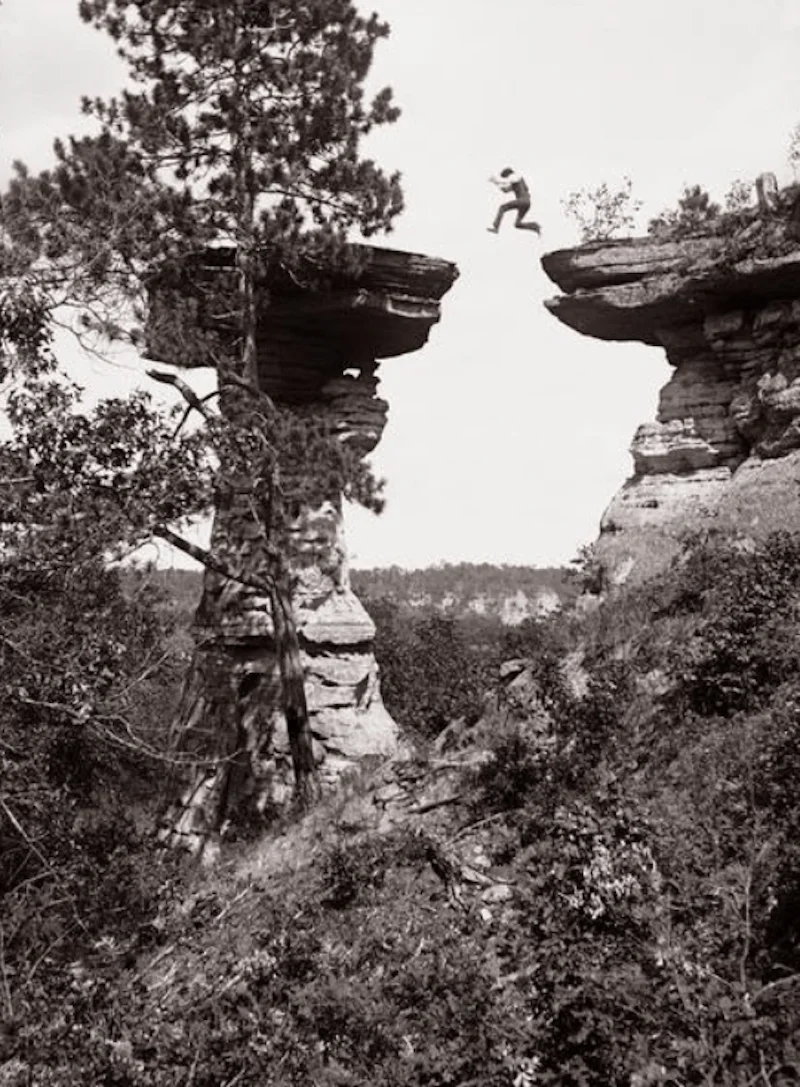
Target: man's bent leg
x=512 y=205
x=523 y=209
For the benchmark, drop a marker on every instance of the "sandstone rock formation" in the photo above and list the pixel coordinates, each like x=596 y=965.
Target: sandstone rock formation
x=724 y=450
x=318 y=353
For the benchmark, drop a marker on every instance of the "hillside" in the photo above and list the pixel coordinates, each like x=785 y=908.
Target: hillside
x=593 y=884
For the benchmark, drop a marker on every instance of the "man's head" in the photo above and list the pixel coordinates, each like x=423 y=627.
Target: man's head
x=507 y=172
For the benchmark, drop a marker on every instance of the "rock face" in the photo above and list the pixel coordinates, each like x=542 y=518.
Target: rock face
x=724 y=449
x=318 y=353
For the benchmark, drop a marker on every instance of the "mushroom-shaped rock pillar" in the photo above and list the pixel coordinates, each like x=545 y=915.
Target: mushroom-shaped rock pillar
x=724 y=450
x=318 y=352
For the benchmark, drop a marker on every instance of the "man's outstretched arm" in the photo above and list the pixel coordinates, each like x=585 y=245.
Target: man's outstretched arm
x=507 y=182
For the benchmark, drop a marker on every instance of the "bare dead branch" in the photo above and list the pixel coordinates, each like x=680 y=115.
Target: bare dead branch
x=262 y=584
x=187 y=392
x=432 y=805
x=148 y=671
x=26 y=837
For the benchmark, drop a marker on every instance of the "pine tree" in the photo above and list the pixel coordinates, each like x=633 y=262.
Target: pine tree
x=243 y=125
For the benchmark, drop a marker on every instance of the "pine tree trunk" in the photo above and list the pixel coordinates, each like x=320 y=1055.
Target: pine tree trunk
x=295 y=707
x=223 y=740
x=247 y=668
x=241 y=681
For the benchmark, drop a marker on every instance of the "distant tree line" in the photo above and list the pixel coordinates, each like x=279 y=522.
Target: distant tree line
x=464 y=581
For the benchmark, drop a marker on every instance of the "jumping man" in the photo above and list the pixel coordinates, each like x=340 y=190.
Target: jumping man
x=510 y=181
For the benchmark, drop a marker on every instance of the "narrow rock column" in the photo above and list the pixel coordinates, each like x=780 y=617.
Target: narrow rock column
x=317 y=355
x=348 y=718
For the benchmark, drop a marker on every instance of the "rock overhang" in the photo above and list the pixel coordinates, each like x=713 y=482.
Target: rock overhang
x=723 y=451
x=383 y=306
x=643 y=290
x=320 y=336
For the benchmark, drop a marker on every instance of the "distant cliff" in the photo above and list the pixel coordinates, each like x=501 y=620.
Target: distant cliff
x=724 y=449
x=510 y=594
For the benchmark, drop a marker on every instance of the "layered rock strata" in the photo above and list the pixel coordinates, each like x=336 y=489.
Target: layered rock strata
x=318 y=353
x=724 y=450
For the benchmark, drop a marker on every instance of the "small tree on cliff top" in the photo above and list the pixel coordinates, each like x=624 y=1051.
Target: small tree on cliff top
x=695 y=211
x=243 y=125
x=602 y=213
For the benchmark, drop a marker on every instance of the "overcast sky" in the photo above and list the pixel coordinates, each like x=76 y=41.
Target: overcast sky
x=508 y=434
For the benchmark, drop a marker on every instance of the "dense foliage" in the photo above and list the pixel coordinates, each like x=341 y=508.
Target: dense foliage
x=658 y=837
x=434 y=668
x=89 y=674
x=642 y=824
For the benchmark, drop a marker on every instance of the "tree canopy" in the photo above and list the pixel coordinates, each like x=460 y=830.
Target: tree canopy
x=242 y=125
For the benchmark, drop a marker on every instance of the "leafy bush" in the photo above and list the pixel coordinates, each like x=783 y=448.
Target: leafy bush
x=517 y=767
x=350 y=872
x=739 y=197
x=430 y=674
x=87 y=685
x=602 y=213
x=746 y=643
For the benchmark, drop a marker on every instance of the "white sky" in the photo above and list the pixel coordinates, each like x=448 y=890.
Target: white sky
x=508 y=434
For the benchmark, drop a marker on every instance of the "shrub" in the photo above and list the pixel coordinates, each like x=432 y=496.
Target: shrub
x=349 y=872
x=746 y=643
x=430 y=674
x=793 y=150
x=516 y=768
x=86 y=687
x=602 y=213
x=739 y=197
x=695 y=211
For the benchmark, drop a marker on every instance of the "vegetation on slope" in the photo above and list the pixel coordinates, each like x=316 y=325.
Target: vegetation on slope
x=633 y=821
